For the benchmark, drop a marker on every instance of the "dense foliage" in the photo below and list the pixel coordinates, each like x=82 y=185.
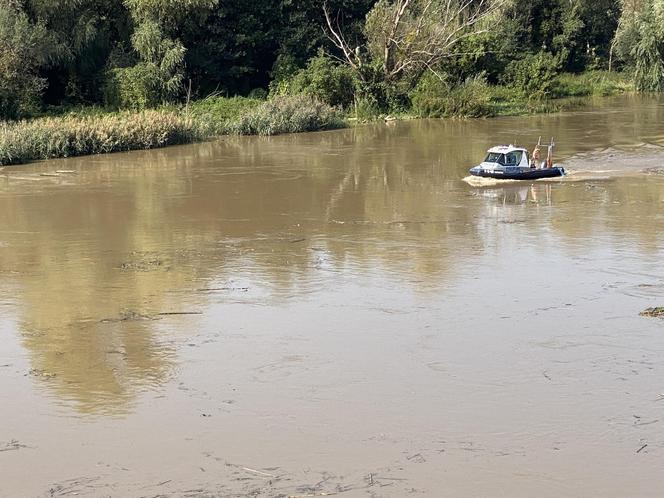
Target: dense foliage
x=382 y=55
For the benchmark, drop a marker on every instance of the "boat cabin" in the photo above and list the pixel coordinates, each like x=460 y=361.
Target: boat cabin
x=507 y=155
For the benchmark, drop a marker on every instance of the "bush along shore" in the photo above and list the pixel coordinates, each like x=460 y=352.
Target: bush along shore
x=94 y=131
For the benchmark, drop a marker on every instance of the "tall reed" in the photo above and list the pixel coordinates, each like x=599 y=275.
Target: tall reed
x=68 y=136
x=284 y=114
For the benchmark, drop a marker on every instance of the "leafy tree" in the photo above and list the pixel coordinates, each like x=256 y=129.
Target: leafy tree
x=534 y=75
x=25 y=48
x=84 y=33
x=234 y=49
x=160 y=71
x=531 y=26
x=640 y=42
x=156 y=78
x=600 y=22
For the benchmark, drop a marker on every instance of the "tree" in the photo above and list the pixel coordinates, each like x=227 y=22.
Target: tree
x=234 y=49
x=158 y=75
x=156 y=78
x=25 y=48
x=83 y=34
x=639 y=42
x=405 y=38
x=600 y=22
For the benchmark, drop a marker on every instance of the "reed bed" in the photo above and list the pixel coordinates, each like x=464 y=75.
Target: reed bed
x=285 y=114
x=96 y=133
x=68 y=136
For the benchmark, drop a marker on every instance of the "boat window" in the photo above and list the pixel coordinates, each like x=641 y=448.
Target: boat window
x=513 y=158
x=495 y=157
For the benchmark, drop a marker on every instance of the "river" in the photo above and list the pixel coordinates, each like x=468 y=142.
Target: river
x=339 y=313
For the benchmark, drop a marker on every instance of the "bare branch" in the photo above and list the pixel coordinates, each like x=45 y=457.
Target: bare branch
x=408 y=37
x=339 y=41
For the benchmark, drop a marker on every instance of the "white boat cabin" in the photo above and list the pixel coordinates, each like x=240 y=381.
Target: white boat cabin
x=506 y=156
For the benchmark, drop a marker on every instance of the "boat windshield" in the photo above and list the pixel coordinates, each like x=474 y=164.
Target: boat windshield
x=513 y=158
x=495 y=157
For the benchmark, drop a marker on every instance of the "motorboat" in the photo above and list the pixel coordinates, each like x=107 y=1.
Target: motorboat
x=510 y=162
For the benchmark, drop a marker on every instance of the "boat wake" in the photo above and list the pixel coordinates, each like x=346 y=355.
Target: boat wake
x=480 y=181
x=613 y=162
x=600 y=165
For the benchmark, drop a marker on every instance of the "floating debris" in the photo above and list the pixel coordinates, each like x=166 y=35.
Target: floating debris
x=42 y=374
x=12 y=445
x=149 y=265
x=143 y=262
x=657 y=312
x=127 y=316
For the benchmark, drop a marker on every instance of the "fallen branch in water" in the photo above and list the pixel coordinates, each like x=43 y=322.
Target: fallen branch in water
x=174 y=313
x=12 y=445
x=254 y=471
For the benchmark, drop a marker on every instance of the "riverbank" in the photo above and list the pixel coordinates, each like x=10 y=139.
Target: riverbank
x=86 y=131
x=93 y=131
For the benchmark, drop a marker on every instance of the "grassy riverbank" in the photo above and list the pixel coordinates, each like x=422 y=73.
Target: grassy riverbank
x=476 y=98
x=87 y=131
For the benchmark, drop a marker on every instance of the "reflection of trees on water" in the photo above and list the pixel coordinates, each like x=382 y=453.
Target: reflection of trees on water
x=139 y=233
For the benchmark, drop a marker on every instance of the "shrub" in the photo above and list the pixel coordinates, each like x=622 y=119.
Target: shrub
x=48 y=138
x=324 y=79
x=534 y=75
x=366 y=109
x=286 y=114
x=435 y=97
x=214 y=114
x=596 y=83
x=133 y=87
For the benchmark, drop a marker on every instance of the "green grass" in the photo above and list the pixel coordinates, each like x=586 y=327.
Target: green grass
x=216 y=114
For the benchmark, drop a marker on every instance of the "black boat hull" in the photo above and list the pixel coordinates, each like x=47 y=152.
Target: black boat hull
x=532 y=174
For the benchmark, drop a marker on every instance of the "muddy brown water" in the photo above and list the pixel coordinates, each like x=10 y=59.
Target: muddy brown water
x=339 y=313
